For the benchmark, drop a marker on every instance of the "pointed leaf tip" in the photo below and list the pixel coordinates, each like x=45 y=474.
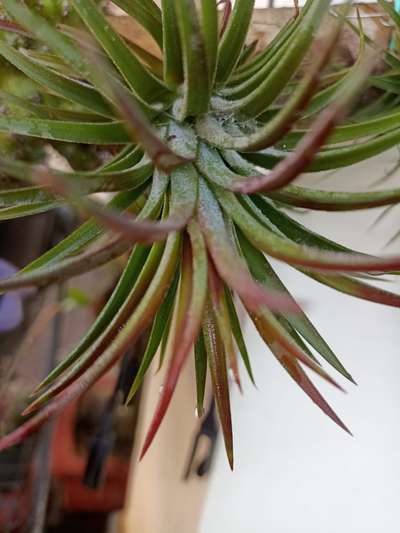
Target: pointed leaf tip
x=300 y=377
x=186 y=323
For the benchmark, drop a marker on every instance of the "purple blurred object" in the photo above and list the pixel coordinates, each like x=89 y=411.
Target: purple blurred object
x=11 y=309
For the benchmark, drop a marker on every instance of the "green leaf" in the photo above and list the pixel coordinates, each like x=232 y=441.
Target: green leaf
x=274 y=47
x=19 y=211
x=186 y=323
x=274 y=129
x=138 y=269
x=143 y=132
x=353 y=131
x=237 y=333
x=269 y=88
x=200 y=359
x=135 y=325
x=127 y=157
x=225 y=255
x=300 y=377
x=212 y=166
x=73 y=91
x=75 y=266
x=266 y=62
x=85 y=182
x=81 y=237
x=159 y=328
x=247 y=52
x=275 y=335
x=335 y=200
x=196 y=82
x=222 y=319
x=209 y=26
x=264 y=273
x=183 y=202
x=184 y=192
x=145 y=86
x=356 y=288
x=294 y=254
x=82 y=37
x=299 y=160
x=46 y=32
x=333 y=158
x=294 y=230
x=173 y=63
x=24 y=106
x=24 y=196
x=219 y=377
x=183 y=140
x=234 y=38
x=101 y=335
x=388 y=82
x=74 y=132
x=130 y=274
x=51 y=61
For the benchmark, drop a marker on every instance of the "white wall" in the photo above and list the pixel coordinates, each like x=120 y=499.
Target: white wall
x=289 y=3
x=296 y=472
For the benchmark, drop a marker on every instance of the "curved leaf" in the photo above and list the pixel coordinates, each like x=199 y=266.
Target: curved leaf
x=145 y=86
x=336 y=200
x=294 y=254
x=209 y=26
x=264 y=273
x=158 y=330
x=298 y=161
x=46 y=32
x=300 y=377
x=173 y=64
x=356 y=288
x=219 y=377
x=233 y=38
x=226 y=257
x=75 y=132
x=200 y=358
x=221 y=314
x=81 y=237
x=80 y=359
x=196 y=82
x=137 y=273
x=282 y=121
x=190 y=305
x=68 y=268
x=132 y=329
x=237 y=333
x=72 y=90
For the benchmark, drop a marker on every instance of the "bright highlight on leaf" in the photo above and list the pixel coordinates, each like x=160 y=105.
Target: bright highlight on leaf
x=187 y=138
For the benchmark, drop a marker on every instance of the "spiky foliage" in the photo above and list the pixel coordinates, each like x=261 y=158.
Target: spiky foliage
x=14 y=82
x=193 y=205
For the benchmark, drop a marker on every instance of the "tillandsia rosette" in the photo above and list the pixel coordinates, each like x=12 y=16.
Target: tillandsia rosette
x=210 y=139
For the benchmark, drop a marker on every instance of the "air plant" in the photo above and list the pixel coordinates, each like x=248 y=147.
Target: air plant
x=209 y=141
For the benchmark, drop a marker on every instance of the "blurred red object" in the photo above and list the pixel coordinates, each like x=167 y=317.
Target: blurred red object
x=68 y=462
